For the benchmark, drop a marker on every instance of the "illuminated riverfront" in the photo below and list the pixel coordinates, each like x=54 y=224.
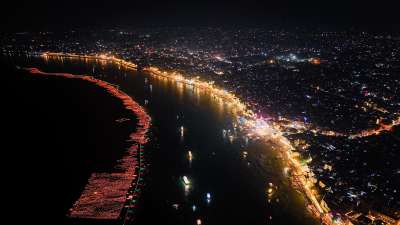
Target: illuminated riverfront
x=248 y=121
x=251 y=126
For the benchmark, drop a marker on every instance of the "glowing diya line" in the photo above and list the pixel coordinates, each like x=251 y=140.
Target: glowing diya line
x=96 y=193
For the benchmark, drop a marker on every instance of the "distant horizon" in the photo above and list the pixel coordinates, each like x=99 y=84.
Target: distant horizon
x=49 y=15
x=291 y=29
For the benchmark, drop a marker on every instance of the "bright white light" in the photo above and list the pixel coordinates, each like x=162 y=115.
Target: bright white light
x=186 y=180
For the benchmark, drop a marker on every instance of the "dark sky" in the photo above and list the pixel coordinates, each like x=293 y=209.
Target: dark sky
x=58 y=14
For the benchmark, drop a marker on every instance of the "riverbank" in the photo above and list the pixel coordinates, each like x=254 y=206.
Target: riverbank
x=73 y=135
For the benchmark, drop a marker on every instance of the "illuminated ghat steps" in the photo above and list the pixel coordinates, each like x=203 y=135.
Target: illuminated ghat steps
x=249 y=122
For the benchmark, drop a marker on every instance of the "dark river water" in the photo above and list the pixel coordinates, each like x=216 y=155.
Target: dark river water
x=227 y=186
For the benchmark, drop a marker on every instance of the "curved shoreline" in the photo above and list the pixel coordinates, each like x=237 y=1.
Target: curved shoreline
x=105 y=195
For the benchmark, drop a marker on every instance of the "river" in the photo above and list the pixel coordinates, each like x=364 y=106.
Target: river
x=229 y=176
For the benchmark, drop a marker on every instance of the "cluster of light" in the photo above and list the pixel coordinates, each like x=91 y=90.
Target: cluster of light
x=300 y=127
x=218 y=93
x=363 y=133
x=103 y=57
x=261 y=127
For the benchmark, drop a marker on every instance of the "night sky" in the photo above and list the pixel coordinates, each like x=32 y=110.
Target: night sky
x=42 y=15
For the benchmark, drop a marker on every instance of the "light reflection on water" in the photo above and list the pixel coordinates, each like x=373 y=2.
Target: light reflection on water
x=244 y=178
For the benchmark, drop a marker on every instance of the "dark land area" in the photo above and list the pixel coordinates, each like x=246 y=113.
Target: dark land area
x=58 y=132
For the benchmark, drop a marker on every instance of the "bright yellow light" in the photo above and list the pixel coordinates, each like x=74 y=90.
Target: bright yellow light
x=190 y=155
